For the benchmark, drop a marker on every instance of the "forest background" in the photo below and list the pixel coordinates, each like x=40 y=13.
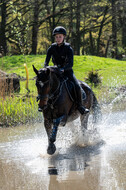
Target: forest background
x=94 y=27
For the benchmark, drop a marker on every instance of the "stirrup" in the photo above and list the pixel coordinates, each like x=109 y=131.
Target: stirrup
x=83 y=110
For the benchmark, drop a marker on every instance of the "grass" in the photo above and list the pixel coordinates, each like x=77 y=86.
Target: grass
x=109 y=69
x=21 y=108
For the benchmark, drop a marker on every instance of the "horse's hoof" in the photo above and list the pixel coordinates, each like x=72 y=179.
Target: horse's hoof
x=51 y=149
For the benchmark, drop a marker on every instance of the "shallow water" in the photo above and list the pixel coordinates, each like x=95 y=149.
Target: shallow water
x=25 y=165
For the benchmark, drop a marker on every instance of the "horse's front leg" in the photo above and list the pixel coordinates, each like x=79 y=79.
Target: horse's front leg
x=56 y=123
x=52 y=138
x=52 y=132
x=48 y=126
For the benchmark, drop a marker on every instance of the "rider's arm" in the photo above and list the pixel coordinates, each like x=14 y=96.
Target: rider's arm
x=48 y=56
x=69 y=59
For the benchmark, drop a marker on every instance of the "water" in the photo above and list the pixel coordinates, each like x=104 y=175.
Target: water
x=25 y=165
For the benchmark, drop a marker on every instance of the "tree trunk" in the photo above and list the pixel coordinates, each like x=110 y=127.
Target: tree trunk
x=3 y=44
x=78 y=39
x=35 y=27
x=91 y=43
x=100 y=30
x=114 y=30
x=83 y=44
x=124 y=28
x=71 y=33
x=107 y=46
x=53 y=19
x=53 y=23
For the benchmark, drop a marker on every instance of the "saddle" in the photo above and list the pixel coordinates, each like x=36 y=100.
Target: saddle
x=70 y=86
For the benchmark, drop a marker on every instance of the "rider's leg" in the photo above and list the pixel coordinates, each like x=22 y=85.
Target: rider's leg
x=80 y=105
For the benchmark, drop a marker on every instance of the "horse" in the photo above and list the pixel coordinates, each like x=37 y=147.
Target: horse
x=57 y=102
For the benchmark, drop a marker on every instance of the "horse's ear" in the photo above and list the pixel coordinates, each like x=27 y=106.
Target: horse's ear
x=35 y=70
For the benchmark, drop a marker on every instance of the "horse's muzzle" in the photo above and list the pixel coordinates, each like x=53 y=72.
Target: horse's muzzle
x=43 y=99
x=43 y=104
x=41 y=109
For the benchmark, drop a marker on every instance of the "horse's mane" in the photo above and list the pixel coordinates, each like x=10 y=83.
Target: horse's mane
x=53 y=69
x=45 y=73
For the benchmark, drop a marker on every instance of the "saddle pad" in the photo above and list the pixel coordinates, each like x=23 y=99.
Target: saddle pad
x=72 y=91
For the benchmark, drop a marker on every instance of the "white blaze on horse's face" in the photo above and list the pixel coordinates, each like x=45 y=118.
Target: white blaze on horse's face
x=41 y=84
x=43 y=93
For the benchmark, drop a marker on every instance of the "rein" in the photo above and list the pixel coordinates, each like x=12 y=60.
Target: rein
x=52 y=96
x=56 y=94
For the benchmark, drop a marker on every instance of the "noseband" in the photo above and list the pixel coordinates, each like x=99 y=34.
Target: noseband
x=41 y=97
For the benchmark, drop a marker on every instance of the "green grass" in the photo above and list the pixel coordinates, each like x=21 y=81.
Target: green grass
x=113 y=72
x=18 y=109
x=15 y=64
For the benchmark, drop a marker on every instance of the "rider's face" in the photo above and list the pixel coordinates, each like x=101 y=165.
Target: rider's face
x=59 y=38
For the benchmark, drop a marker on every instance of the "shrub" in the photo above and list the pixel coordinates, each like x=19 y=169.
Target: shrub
x=93 y=78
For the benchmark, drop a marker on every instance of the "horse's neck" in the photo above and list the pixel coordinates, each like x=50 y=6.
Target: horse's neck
x=55 y=82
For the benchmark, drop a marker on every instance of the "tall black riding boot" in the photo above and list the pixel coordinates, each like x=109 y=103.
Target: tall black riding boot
x=80 y=106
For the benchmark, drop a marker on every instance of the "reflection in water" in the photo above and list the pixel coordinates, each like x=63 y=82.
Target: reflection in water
x=52 y=171
x=25 y=165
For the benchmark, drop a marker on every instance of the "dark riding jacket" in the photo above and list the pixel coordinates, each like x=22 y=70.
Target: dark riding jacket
x=62 y=56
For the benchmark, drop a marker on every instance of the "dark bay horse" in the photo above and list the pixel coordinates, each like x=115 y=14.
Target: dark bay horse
x=57 y=103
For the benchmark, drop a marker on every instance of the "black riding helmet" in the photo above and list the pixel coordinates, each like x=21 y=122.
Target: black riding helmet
x=59 y=30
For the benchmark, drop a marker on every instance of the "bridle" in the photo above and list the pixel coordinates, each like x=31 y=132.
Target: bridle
x=42 y=97
x=52 y=97
x=49 y=96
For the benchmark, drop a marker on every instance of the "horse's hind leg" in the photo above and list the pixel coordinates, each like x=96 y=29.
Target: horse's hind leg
x=82 y=139
x=84 y=121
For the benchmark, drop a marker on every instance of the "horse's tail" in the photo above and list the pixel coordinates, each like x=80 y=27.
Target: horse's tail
x=96 y=109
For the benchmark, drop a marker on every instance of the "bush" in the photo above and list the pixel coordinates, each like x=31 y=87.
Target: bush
x=93 y=78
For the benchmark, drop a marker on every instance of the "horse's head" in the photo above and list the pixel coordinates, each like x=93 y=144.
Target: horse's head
x=43 y=86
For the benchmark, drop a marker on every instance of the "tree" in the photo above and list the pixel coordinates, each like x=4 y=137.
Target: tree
x=101 y=28
x=13 y=26
x=35 y=27
x=114 y=28
x=93 y=27
x=3 y=43
x=122 y=20
x=78 y=18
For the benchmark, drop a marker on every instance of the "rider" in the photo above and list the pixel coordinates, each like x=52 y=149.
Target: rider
x=62 y=56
